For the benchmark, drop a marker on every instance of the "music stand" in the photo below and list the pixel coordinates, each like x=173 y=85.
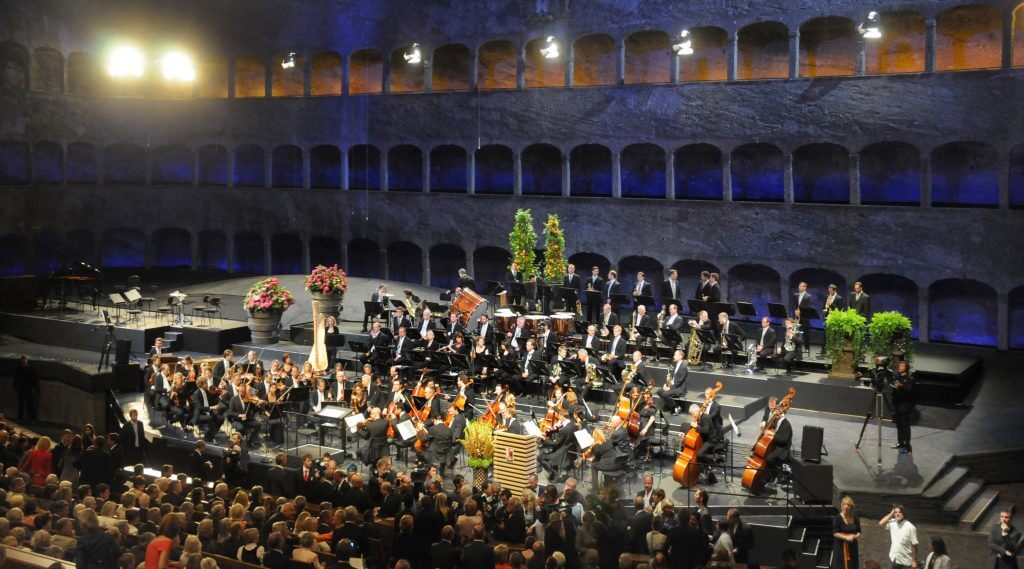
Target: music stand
x=547 y=292
x=651 y=335
x=518 y=309
x=581 y=326
x=665 y=303
x=570 y=296
x=746 y=309
x=725 y=307
x=732 y=345
x=707 y=337
x=436 y=308
x=374 y=309
x=518 y=291
x=644 y=299
x=608 y=376
x=671 y=337
x=778 y=311
x=572 y=368
x=397 y=303
x=809 y=314
x=696 y=306
x=494 y=288
x=618 y=300
x=539 y=367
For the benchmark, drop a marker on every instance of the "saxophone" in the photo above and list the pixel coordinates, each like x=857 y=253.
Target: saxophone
x=661 y=320
x=695 y=349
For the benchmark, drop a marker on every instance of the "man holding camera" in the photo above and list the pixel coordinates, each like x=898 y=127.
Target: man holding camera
x=902 y=405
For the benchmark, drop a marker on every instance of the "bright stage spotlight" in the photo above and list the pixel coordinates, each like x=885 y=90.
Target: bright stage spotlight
x=177 y=66
x=871 y=28
x=126 y=61
x=289 y=61
x=413 y=56
x=550 y=51
x=685 y=45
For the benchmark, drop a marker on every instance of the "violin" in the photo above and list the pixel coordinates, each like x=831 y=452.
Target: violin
x=686 y=470
x=755 y=474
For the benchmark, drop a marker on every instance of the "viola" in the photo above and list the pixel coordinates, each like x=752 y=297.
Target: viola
x=686 y=470
x=622 y=408
x=755 y=474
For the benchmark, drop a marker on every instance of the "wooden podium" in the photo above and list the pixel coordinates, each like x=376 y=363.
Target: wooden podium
x=515 y=458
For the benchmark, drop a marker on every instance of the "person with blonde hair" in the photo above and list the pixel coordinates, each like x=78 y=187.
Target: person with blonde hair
x=304 y=553
x=846 y=532
x=193 y=548
x=39 y=461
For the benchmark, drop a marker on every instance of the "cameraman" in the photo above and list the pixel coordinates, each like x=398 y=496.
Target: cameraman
x=902 y=387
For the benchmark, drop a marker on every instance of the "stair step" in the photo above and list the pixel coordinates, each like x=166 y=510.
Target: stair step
x=797 y=534
x=946 y=483
x=991 y=519
x=979 y=507
x=962 y=497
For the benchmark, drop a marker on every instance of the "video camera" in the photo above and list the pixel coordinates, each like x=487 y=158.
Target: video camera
x=881 y=376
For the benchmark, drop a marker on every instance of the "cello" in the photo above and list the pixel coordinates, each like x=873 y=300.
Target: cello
x=686 y=470
x=755 y=474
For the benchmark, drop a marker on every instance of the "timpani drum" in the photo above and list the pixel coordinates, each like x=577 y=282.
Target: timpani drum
x=505 y=320
x=533 y=322
x=563 y=323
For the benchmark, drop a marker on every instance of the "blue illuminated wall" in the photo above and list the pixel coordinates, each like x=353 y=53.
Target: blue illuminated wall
x=248 y=253
x=405 y=262
x=364 y=168
x=405 y=169
x=757 y=284
x=172 y=248
x=698 y=171
x=821 y=174
x=965 y=173
x=962 y=311
x=122 y=248
x=757 y=173
x=643 y=171
x=494 y=170
x=590 y=170
x=448 y=169
x=890 y=174
x=213 y=251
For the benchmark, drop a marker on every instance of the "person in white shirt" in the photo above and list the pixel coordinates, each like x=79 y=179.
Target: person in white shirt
x=903 y=538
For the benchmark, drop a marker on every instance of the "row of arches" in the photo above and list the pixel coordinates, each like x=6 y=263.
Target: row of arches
x=963 y=173
x=975 y=36
x=947 y=310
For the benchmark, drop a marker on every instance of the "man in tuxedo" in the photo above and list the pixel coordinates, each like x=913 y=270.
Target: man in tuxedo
x=611 y=286
x=207 y=410
x=725 y=329
x=670 y=289
x=713 y=291
x=791 y=338
x=641 y=319
x=377 y=347
x=640 y=379
x=616 y=352
x=200 y=467
x=555 y=448
x=402 y=347
x=642 y=287
x=765 y=343
x=399 y=319
x=673 y=321
x=591 y=340
x=571 y=279
x=514 y=276
x=903 y=403
x=318 y=396
x=250 y=363
x=519 y=335
x=158 y=348
x=454 y=326
x=609 y=319
x=1004 y=542
x=780 y=451
x=675 y=386
x=222 y=368
x=801 y=303
x=444 y=554
x=308 y=475
x=466 y=282
x=486 y=331
x=283 y=480
x=133 y=438
x=860 y=301
x=439 y=444
x=702 y=285
x=377 y=296
x=244 y=416
x=833 y=301
x=594 y=282
x=530 y=354
x=425 y=323
x=477 y=553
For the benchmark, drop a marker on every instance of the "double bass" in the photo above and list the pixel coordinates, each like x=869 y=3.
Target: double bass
x=686 y=470
x=755 y=474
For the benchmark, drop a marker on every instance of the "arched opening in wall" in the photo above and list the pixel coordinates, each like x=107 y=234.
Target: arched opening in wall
x=1015 y=314
x=496 y=65
x=448 y=169
x=124 y=164
x=79 y=245
x=13 y=162
x=249 y=165
x=968 y=37
x=213 y=165
x=248 y=253
x=648 y=57
x=160 y=87
x=965 y=174
x=757 y=173
x=405 y=263
x=698 y=172
x=756 y=284
x=364 y=168
x=817 y=286
x=890 y=174
x=643 y=171
x=585 y=262
x=763 y=51
x=212 y=78
x=250 y=77
x=46 y=250
x=404 y=76
x=709 y=60
x=1017 y=176
x=287 y=82
x=81 y=164
x=541 y=71
x=901 y=47
x=405 y=169
x=689 y=276
x=14 y=66
x=172 y=165
x=593 y=60
x=1018 y=36
x=590 y=171
x=451 y=67
x=445 y=262
x=364 y=259
x=490 y=264
x=47 y=70
x=46 y=162
x=653 y=270
x=13 y=258
x=287 y=166
x=495 y=165
x=83 y=75
x=365 y=72
x=213 y=251
x=962 y=311
x=325 y=74
x=324 y=251
x=542 y=170
x=172 y=247
x=122 y=248
x=828 y=47
x=888 y=292
x=325 y=167
x=821 y=174
x=285 y=254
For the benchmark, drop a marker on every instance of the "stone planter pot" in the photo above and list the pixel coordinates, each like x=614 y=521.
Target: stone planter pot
x=265 y=326
x=326 y=304
x=844 y=368
x=479 y=478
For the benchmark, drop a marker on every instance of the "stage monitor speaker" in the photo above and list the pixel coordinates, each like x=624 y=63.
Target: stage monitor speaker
x=126 y=376
x=123 y=351
x=812 y=482
x=813 y=440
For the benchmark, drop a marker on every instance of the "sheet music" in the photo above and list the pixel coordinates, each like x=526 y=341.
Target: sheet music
x=406 y=430
x=352 y=420
x=584 y=439
x=532 y=429
x=333 y=412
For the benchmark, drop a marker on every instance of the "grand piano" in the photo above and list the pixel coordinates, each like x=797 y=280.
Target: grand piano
x=80 y=278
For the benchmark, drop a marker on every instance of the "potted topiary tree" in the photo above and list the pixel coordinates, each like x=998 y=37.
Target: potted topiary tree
x=845 y=344
x=554 y=250
x=890 y=336
x=477 y=439
x=265 y=302
x=326 y=286
x=521 y=240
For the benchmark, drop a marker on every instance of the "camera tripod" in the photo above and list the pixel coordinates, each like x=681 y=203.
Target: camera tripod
x=875 y=410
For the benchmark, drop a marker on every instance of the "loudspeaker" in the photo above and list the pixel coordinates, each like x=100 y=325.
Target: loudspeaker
x=122 y=351
x=812 y=483
x=810 y=446
x=126 y=376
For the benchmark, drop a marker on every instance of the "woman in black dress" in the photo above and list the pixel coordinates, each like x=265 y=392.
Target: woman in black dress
x=846 y=531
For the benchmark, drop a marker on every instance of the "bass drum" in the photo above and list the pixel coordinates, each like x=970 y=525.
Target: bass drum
x=466 y=305
x=562 y=323
x=504 y=320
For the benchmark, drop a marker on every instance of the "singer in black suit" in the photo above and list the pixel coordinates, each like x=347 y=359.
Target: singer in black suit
x=675 y=384
x=702 y=286
x=713 y=291
x=860 y=301
x=764 y=342
x=611 y=286
x=671 y=288
x=802 y=301
x=514 y=276
x=596 y=283
x=571 y=279
x=399 y=319
x=377 y=296
x=642 y=287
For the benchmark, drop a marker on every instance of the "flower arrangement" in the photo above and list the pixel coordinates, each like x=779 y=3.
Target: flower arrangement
x=843 y=326
x=889 y=331
x=554 y=254
x=521 y=240
x=267 y=295
x=477 y=440
x=327 y=280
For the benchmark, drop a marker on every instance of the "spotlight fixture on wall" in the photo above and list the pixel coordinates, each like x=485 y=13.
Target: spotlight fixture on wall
x=685 y=45
x=126 y=61
x=550 y=51
x=288 y=61
x=177 y=66
x=871 y=27
x=413 y=56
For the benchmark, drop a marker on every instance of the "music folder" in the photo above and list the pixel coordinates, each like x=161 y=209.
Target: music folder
x=406 y=430
x=353 y=420
x=584 y=439
x=532 y=429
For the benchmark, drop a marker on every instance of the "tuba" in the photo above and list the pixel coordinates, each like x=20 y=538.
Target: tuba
x=695 y=349
x=593 y=379
x=751 y=356
x=790 y=344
